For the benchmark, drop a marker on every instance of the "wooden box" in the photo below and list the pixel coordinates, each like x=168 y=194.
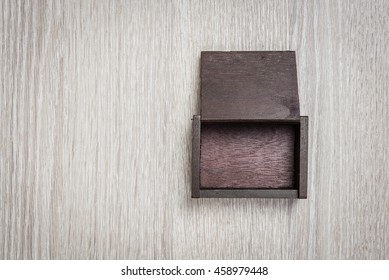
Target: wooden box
x=249 y=139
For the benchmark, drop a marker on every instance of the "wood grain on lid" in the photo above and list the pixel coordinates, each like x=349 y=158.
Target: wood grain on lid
x=249 y=85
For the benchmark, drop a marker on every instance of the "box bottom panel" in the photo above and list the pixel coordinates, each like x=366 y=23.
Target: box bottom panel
x=247 y=155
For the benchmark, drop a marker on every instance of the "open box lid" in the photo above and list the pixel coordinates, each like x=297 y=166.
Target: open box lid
x=255 y=85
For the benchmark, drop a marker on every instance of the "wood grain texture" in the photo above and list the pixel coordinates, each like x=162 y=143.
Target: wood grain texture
x=303 y=153
x=247 y=155
x=249 y=193
x=249 y=86
x=96 y=101
x=196 y=144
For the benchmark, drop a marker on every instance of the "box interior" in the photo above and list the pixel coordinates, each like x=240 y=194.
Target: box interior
x=248 y=155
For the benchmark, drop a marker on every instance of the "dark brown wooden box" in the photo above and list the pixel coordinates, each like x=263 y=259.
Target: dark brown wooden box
x=249 y=139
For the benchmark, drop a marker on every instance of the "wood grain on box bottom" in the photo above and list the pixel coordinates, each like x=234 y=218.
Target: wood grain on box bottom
x=247 y=155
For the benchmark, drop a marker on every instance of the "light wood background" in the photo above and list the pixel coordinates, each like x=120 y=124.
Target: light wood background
x=95 y=109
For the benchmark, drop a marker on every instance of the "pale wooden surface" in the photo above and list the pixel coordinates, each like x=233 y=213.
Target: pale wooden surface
x=95 y=107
